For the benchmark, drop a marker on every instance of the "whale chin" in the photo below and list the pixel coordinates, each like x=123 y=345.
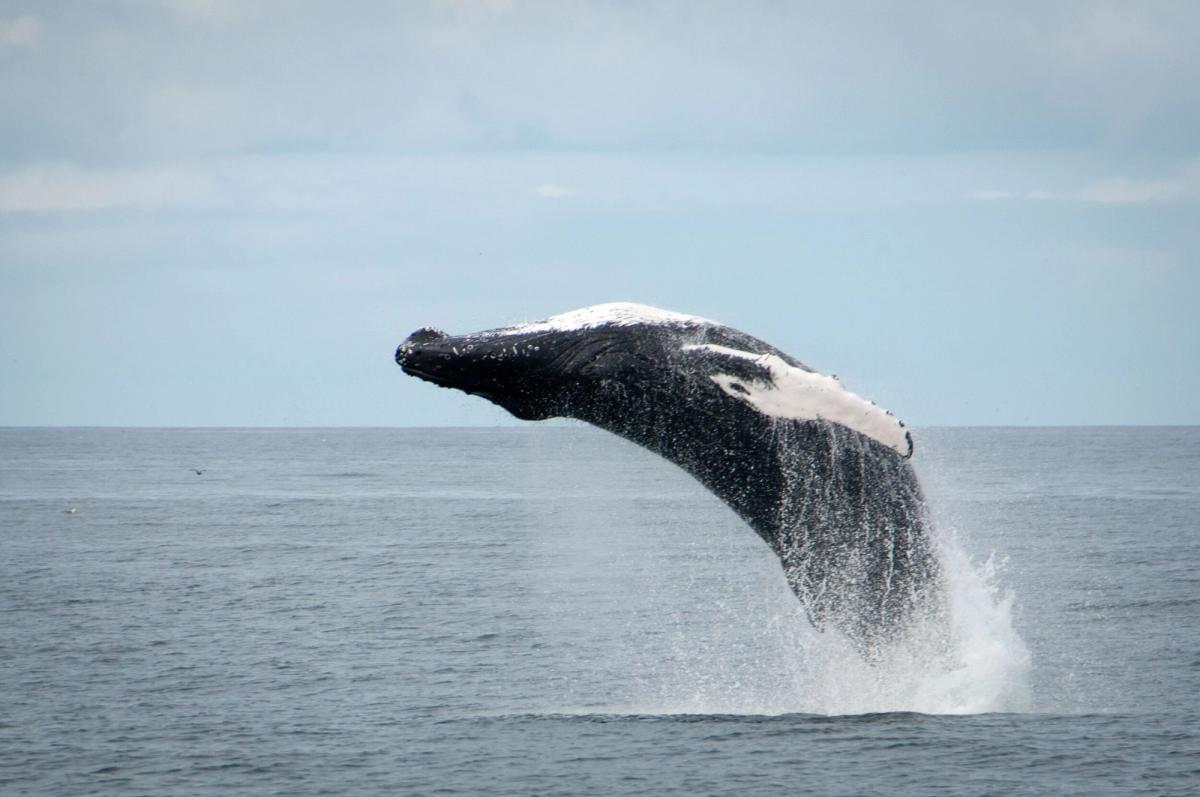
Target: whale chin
x=441 y=380
x=523 y=412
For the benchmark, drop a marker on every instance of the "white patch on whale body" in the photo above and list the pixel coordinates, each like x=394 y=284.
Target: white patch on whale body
x=806 y=396
x=620 y=314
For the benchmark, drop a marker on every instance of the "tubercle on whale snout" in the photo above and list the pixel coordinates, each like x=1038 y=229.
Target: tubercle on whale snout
x=422 y=336
x=426 y=335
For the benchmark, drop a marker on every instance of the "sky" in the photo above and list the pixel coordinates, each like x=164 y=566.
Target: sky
x=230 y=213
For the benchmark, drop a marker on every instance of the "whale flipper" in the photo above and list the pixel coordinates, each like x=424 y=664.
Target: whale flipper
x=821 y=474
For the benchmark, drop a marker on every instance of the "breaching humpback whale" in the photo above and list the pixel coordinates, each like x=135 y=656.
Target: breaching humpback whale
x=819 y=473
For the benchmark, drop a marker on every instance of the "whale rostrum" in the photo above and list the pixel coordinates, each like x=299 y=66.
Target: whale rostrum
x=821 y=474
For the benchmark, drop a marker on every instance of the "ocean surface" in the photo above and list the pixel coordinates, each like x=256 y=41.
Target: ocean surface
x=551 y=610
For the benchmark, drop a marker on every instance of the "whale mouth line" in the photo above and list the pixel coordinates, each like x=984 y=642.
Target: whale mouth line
x=448 y=382
x=412 y=370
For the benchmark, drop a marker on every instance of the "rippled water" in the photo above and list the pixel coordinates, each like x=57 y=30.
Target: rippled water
x=551 y=610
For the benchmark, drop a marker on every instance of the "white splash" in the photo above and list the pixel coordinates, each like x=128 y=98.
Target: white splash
x=613 y=313
x=665 y=603
x=806 y=396
x=969 y=662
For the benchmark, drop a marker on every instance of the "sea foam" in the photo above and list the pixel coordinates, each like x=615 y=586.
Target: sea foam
x=769 y=660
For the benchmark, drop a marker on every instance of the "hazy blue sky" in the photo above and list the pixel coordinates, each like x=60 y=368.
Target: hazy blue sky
x=230 y=213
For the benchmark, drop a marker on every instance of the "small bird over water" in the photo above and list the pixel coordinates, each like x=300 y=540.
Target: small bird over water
x=71 y=511
x=198 y=472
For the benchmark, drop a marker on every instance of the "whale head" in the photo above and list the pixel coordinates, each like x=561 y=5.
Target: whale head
x=532 y=375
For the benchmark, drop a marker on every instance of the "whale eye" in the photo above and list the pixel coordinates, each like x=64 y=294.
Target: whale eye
x=739 y=388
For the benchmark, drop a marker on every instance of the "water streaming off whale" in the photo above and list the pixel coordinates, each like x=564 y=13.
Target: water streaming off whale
x=738 y=642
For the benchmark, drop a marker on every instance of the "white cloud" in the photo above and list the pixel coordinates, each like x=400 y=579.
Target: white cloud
x=59 y=187
x=553 y=191
x=991 y=194
x=20 y=32
x=1180 y=188
x=1100 y=33
x=1123 y=191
